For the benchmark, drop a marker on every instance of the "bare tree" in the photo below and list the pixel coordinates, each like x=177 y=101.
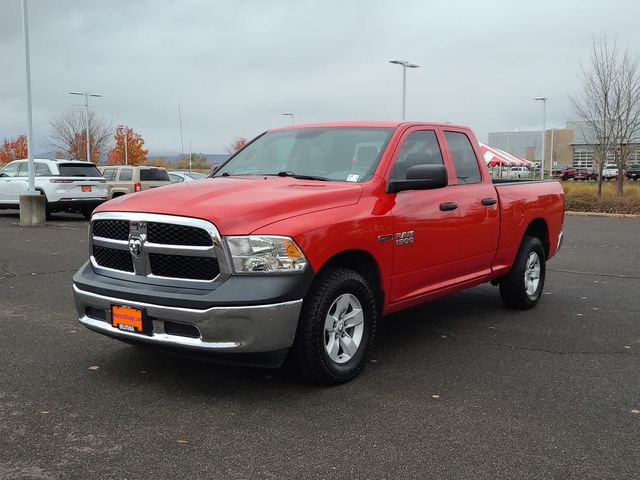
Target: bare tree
x=67 y=135
x=609 y=104
x=626 y=118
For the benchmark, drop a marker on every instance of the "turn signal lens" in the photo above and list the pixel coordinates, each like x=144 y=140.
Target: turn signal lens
x=258 y=253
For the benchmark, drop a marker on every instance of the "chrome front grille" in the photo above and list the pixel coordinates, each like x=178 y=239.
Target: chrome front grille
x=156 y=248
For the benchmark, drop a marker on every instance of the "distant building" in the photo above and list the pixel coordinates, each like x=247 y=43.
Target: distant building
x=573 y=145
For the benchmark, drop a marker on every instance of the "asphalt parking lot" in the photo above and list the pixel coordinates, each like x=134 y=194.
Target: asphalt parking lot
x=459 y=388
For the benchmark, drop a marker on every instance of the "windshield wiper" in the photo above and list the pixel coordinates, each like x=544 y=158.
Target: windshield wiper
x=289 y=173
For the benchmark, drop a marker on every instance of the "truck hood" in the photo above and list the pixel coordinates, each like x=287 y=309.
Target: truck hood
x=239 y=205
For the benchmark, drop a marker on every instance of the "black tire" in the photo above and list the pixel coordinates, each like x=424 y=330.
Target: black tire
x=513 y=286
x=86 y=212
x=47 y=209
x=308 y=356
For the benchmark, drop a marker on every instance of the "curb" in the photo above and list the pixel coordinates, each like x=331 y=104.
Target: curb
x=602 y=214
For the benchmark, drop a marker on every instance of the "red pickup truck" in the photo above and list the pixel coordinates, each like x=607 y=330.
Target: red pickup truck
x=303 y=239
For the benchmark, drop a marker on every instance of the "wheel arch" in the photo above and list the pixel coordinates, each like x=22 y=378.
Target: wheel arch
x=365 y=264
x=538 y=228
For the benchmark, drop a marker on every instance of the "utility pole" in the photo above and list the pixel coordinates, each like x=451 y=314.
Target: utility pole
x=124 y=130
x=86 y=96
x=180 y=120
x=31 y=189
x=544 y=127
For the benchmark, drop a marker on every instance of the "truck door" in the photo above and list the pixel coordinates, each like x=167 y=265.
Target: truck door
x=476 y=198
x=424 y=234
x=441 y=236
x=16 y=184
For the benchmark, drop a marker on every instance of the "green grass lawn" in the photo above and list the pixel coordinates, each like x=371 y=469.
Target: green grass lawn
x=583 y=197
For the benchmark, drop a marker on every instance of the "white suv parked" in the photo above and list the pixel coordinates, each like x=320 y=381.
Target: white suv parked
x=68 y=185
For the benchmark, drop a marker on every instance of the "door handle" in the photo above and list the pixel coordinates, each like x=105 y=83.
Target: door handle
x=447 y=207
x=489 y=201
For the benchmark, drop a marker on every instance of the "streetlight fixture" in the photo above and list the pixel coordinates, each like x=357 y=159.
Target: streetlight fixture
x=544 y=127
x=86 y=106
x=293 y=117
x=124 y=130
x=405 y=64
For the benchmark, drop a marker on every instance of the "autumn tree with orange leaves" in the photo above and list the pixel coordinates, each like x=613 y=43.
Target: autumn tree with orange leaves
x=236 y=145
x=15 y=149
x=136 y=154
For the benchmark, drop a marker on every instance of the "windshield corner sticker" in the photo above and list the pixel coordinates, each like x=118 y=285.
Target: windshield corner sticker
x=352 y=177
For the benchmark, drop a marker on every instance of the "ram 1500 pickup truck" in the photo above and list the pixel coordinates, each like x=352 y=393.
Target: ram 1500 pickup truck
x=304 y=238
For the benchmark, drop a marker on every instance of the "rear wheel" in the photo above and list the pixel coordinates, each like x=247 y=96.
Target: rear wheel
x=336 y=328
x=47 y=208
x=522 y=287
x=86 y=212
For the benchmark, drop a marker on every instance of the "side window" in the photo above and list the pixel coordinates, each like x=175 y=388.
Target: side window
x=23 y=170
x=464 y=158
x=42 y=170
x=109 y=174
x=125 y=175
x=10 y=170
x=419 y=148
x=175 y=178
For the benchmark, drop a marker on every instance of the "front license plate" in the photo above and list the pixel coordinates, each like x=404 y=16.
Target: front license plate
x=129 y=319
x=86 y=188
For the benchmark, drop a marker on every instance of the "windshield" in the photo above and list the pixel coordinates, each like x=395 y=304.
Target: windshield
x=338 y=154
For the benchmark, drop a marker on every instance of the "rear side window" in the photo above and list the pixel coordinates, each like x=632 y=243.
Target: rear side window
x=464 y=158
x=78 y=170
x=109 y=174
x=125 y=175
x=419 y=148
x=154 y=175
x=42 y=170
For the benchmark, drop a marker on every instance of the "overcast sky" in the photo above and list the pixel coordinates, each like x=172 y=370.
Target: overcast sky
x=236 y=66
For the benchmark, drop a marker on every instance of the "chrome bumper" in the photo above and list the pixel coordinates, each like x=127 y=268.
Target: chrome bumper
x=250 y=329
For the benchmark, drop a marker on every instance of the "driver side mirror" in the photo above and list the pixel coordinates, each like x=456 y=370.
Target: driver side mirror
x=421 y=177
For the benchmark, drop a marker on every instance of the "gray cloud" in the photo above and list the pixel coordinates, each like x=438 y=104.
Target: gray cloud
x=236 y=66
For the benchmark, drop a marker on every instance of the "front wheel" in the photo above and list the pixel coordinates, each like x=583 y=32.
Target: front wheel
x=522 y=287
x=336 y=328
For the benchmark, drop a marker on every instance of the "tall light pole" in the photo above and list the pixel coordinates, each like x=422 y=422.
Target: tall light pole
x=544 y=127
x=293 y=117
x=31 y=189
x=180 y=119
x=86 y=106
x=405 y=65
x=124 y=130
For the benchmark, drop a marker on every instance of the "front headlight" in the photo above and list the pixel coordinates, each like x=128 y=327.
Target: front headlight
x=263 y=253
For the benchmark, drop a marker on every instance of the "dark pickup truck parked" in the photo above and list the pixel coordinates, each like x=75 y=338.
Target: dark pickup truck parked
x=633 y=172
